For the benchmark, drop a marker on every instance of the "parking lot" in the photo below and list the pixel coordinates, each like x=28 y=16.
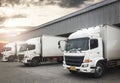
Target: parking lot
x=14 y=72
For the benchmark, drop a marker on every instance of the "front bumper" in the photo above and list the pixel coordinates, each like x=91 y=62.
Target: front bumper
x=80 y=69
x=26 y=60
x=4 y=58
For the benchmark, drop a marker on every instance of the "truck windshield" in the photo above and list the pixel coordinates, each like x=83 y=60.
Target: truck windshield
x=6 y=48
x=31 y=46
x=77 y=44
x=23 y=47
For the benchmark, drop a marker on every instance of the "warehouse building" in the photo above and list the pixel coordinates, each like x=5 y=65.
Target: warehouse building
x=106 y=12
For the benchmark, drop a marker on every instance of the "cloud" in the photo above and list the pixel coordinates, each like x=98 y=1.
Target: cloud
x=2 y=19
x=71 y=3
x=67 y=3
x=61 y=3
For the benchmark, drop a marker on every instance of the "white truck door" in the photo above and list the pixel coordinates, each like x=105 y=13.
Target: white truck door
x=96 y=48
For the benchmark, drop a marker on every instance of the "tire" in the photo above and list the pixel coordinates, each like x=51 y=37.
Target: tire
x=73 y=72
x=35 y=62
x=99 y=70
x=11 y=58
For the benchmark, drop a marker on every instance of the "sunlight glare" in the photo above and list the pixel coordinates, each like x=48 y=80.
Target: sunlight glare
x=12 y=32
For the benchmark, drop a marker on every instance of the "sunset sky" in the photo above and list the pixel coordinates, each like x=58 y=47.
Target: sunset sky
x=19 y=16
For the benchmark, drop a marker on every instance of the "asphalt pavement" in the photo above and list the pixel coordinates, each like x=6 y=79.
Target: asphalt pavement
x=15 y=72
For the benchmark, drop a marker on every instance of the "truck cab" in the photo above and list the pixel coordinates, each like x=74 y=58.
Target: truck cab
x=9 y=51
x=83 y=51
x=12 y=50
x=21 y=51
x=33 y=52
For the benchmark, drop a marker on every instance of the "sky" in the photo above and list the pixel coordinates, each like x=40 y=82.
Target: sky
x=17 y=16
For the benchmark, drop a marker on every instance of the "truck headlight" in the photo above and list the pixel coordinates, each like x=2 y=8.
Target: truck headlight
x=26 y=56
x=87 y=60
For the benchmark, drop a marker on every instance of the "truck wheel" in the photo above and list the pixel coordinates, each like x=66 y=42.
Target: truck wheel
x=73 y=72
x=11 y=58
x=99 y=70
x=35 y=62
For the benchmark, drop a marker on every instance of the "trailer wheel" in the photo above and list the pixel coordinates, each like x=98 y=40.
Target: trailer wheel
x=11 y=58
x=35 y=62
x=99 y=70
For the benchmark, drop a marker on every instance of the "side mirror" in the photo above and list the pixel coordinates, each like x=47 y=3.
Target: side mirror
x=61 y=45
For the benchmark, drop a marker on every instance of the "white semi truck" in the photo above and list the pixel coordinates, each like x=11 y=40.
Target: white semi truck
x=42 y=49
x=11 y=50
x=92 y=50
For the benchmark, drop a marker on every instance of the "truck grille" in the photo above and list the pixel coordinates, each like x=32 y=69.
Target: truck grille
x=74 y=60
x=20 y=57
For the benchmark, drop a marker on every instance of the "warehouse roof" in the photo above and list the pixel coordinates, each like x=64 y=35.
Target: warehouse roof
x=84 y=10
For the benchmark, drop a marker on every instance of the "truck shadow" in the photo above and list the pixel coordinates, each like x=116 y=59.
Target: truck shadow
x=42 y=65
x=108 y=73
x=112 y=71
x=79 y=76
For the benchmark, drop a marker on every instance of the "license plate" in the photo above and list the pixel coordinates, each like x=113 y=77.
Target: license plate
x=72 y=68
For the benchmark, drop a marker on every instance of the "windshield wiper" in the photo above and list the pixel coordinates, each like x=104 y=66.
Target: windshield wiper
x=74 y=49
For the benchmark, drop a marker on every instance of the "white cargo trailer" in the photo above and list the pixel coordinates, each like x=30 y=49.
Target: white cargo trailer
x=10 y=51
x=42 y=49
x=92 y=50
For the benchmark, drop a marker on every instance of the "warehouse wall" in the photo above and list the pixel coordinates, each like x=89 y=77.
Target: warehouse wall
x=107 y=14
